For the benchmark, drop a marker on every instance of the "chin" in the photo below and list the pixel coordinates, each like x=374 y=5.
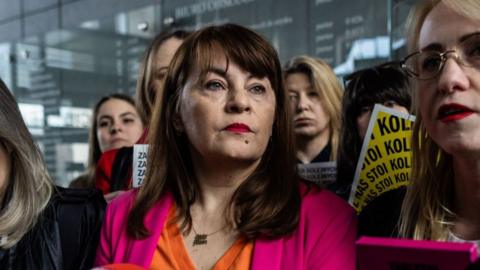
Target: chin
x=461 y=147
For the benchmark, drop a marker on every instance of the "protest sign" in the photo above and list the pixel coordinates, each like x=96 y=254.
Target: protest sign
x=385 y=159
x=140 y=152
x=321 y=173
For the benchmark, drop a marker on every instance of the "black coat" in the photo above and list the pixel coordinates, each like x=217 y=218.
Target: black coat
x=65 y=236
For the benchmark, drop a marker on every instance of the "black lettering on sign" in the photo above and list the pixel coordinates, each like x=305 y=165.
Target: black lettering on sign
x=400 y=163
x=141 y=173
x=384 y=184
x=142 y=155
x=406 y=125
x=394 y=123
x=373 y=154
x=397 y=145
x=383 y=126
x=361 y=188
x=142 y=163
x=376 y=172
x=401 y=177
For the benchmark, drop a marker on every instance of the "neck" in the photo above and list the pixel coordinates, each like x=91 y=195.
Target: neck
x=309 y=147
x=467 y=197
x=218 y=180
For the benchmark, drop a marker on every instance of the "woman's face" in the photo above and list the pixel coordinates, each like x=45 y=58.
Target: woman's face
x=310 y=118
x=118 y=124
x=366 y=112
x=4 y=170
x=163 y=58
x=450 y=102
x=227 y=115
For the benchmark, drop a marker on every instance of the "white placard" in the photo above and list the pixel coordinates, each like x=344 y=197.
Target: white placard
x=322 y=173
x=140 y=152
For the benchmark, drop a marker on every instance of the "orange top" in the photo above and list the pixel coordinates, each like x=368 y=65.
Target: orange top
x=171 y=253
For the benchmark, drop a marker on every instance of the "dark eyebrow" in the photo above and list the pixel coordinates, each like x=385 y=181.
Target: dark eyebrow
x=467 y=36
x=218 y=71
x=127 y=114
x=433 y=47
x=105 y=116
x=223 y=73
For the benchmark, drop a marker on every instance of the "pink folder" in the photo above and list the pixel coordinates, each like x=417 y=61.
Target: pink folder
x=376 y=253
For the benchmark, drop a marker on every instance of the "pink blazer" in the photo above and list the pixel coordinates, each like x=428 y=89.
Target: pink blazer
x=324 y=238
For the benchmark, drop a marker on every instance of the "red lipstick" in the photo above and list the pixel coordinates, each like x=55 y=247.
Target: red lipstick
x=238 y=128
x=453 y=112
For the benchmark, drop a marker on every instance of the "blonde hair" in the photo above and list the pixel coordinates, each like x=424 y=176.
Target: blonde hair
x=145 y=92
x=427 y=208
x=325 y=82
x=29 y=186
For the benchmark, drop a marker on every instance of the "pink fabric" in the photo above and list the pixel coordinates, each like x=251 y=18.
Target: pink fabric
x=324 y=238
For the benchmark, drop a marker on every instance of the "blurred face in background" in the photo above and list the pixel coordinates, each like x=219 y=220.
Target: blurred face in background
x=163 y=58
x=118 y=124
x=310 y=118
x=366 y=112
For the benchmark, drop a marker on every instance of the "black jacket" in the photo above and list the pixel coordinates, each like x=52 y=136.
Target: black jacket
x=65 y=236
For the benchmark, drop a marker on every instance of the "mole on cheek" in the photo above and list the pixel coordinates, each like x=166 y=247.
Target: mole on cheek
x=246 y=142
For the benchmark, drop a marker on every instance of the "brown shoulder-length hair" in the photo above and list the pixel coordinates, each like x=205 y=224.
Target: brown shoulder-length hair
x=145 y=93
x=268 y=201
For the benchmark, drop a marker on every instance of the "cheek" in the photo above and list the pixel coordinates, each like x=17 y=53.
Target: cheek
x=158 y=86
x=102 y=137
x=362 y=124
x=322 y=114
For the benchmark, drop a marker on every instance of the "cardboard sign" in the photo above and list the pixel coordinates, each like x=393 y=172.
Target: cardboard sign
x=321 y=173
x=140 y=152
x=385 y=159
x=390 y=253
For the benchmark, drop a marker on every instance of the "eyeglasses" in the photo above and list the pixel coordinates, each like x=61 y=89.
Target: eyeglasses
x=425 y=65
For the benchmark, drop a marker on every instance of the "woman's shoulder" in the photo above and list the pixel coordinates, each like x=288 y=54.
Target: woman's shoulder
x=123 y=202
x=318 y=199
x=75 y=196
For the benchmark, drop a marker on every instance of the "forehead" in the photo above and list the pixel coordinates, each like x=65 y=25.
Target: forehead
x=114 y=106
x=445 y=27
x=298 y=78
x=166 y=51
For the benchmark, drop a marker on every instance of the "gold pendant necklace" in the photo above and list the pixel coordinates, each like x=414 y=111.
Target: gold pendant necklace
x=201 y=238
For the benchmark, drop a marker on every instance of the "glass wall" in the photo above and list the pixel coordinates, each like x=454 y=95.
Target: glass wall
x=60 y=56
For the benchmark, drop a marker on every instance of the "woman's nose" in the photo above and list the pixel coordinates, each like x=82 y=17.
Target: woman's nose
x=452 y=77
x=238 y=101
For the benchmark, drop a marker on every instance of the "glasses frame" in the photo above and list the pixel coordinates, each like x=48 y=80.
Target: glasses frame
x=458 y=56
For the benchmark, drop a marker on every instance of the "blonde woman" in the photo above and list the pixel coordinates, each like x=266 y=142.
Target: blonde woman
x=41 y=226
x=443 y=202
x=315 y=99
